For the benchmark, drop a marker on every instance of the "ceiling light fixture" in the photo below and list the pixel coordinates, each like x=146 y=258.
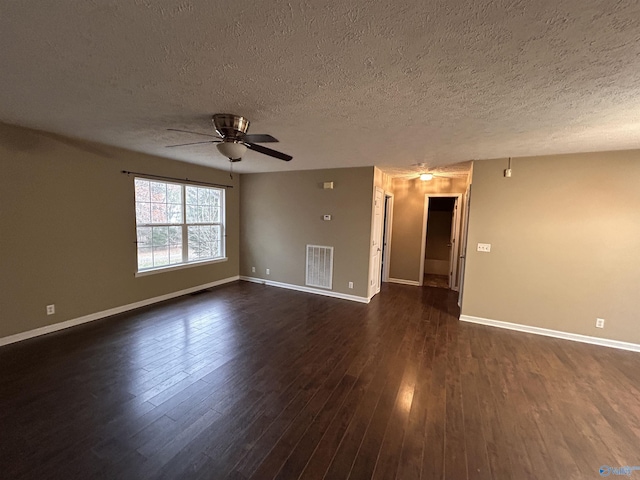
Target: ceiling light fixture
x=232 y=150
x=425 y=177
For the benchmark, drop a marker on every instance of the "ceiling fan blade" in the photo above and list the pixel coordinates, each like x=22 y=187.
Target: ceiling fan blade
x=194 y=133
x=268 y=151
x=192 y=143
x=259 y=138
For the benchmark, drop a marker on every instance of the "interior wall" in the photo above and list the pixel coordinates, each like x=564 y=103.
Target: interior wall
x=283 y=212
x=68 y=229
x=408 y=215
x=565 y=235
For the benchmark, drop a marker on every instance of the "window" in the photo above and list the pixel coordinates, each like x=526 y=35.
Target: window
x=178 y=224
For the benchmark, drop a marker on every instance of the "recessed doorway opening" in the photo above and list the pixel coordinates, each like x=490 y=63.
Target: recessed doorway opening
x=439 y=260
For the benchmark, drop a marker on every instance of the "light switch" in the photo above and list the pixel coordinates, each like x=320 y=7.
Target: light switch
x=484 y=247
x=327 y=217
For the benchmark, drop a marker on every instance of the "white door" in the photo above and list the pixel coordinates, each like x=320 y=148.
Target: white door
x=375 y=265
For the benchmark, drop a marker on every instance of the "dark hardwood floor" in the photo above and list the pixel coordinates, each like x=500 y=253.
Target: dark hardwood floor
x=253 y=382
x=432 y=280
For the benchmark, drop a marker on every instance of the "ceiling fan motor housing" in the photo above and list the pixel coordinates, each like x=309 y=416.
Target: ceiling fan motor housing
x=229 y=126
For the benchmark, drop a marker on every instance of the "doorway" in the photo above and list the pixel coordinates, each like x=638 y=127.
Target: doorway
x=440 y=241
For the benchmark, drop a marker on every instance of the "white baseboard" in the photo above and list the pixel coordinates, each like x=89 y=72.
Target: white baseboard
x=605 y=342
x=18 y=337
x=299 y=288
x=413 y=283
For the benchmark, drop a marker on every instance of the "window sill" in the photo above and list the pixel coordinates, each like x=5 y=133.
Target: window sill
x=170 y=268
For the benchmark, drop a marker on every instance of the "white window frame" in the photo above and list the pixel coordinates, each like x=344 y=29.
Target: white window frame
x=185 y=263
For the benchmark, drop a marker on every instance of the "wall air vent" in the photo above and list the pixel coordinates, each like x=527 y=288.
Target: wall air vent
x=319 y=266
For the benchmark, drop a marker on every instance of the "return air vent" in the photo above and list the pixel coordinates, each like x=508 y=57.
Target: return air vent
x=319 y=266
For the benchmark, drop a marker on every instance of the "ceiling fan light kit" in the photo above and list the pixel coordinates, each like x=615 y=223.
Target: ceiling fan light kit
x=425 y=177
x=232 y=149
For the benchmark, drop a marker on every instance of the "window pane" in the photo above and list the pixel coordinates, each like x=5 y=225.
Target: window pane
x=160 y=256
x=174 y=214
x=192 y=214
x=159 y=213
x=175 y=245
x=175 y=235
x=196 y=240
x=204 y=196
x=215 y=215
x=192 y=195
x=145 y=258
x=142 y=190
x=160 y=236
x=175 y=254
x=158 y=192
x=204 y=214
x=144 y=236
x=143 y=212
x=193 y=240
x=174 y=193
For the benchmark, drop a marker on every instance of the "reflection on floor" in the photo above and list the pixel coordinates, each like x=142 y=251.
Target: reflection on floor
x=438 y=281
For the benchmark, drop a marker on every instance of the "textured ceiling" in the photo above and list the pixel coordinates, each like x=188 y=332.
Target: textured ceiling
x=349 y=83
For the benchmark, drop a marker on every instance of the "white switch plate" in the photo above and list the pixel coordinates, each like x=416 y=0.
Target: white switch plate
x=484 y=247
x=600 y=322
x=268 y=272
x=51 y=309
x=350 y=284
x=327 y=217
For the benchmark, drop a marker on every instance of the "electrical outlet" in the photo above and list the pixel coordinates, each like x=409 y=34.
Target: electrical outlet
x=268 y=272
x=253 y=269
x=600 y=322
x=484 y=247
x=51 y=309
x=350 y=284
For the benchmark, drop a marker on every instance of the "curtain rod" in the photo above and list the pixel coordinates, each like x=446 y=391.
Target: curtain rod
x=197 y=182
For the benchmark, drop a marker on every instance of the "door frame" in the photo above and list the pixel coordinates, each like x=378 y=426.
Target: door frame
x=386 y=239
x=453 y=262
x=375 y=268
x=463 y=242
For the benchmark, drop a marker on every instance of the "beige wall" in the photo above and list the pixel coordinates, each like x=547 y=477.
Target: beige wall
x=565 y=236
x=68 y=229
x=408 y=215
x=282 y=212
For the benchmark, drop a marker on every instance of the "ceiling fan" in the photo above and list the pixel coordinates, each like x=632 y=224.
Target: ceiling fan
x=426 y=174
x=233 y=140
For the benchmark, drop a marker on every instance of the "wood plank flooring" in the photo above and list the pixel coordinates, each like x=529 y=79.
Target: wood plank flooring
x=252 y=382
x=432 y=280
